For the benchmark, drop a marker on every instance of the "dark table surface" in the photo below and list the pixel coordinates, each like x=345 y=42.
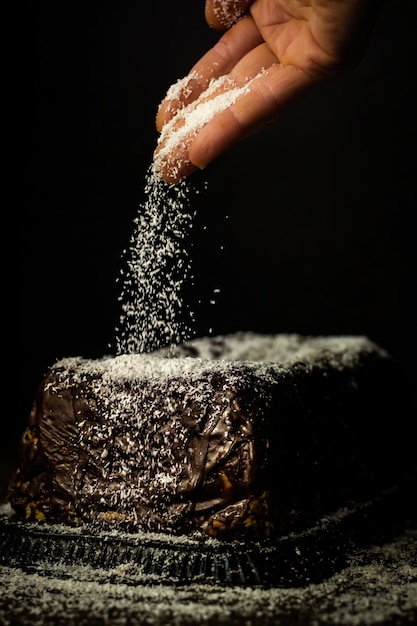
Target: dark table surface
x=374 y=584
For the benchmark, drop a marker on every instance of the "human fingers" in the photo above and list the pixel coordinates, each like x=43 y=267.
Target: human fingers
x=232 y=113
x=171 y=155
x=219 y=60
x=221 y=14
x=257 y=108
x=171 y=158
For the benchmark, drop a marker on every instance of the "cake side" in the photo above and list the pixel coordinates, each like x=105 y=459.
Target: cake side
x=158 y=452
x=223 y=446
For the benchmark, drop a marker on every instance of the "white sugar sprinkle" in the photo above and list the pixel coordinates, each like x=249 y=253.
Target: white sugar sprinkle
x=157 y=270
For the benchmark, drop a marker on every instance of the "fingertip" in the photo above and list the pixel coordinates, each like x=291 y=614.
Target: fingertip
x=212 y=19
x=197 y=161
x=222 y=15
x=204 y=149
x=166 y=111
x=158 y=121
x=173 y=169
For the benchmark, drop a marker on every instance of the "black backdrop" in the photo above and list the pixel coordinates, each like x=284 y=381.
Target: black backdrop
x=321 y=227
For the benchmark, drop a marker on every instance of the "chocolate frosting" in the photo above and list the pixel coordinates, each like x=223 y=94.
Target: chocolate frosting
x=216 y=445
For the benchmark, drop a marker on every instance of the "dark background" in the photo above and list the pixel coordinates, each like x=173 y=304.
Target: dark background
x=321 y=232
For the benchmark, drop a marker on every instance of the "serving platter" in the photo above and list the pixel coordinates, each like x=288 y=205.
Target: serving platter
x=296 y=559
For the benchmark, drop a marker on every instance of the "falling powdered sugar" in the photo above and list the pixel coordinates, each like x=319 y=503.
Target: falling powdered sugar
x=156 y=271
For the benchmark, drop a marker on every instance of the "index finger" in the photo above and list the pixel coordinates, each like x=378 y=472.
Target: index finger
x=219 y=60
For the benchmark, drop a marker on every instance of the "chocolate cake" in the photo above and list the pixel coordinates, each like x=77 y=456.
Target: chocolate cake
x=242 y=436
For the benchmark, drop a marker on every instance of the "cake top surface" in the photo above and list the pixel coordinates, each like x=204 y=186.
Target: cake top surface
x=263 y=355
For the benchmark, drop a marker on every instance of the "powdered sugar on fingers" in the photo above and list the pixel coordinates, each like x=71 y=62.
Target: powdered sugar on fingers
x=178 y=132
x=178 y=96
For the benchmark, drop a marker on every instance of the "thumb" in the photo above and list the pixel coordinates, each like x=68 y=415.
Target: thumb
x=222 y=14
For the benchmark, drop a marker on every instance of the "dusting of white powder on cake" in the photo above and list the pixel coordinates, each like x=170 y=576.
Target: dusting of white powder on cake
x=140 y=401
x=267 y=356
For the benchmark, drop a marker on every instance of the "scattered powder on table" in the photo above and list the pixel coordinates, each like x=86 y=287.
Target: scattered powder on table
x=377 y=587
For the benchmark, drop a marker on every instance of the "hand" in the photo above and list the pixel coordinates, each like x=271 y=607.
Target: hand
x=271 y=53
